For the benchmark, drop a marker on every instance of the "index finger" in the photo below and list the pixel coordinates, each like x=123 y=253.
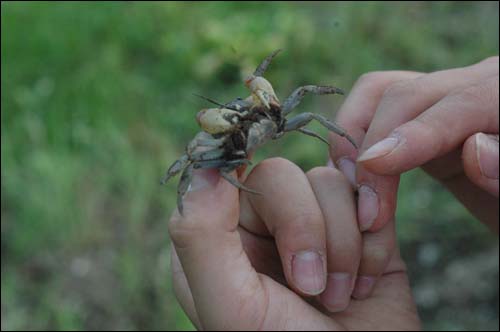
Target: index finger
x=288 y=210
x=356 y=114
x=438 y=130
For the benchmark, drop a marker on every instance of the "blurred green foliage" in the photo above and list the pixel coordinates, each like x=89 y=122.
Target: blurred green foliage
x=97 y=102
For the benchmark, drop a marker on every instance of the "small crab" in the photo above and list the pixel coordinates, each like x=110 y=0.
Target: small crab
x=232 y=131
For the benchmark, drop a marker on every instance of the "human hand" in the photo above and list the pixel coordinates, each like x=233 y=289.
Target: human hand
x=434 y=120
x=282 y=260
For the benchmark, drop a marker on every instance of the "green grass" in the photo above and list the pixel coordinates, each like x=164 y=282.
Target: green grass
x=97 y=102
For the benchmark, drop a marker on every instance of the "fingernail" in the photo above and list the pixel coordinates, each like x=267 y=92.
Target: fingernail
x=203 y=179
x=487 y=155
x=367 y=207
x=330 y=163
x=363 y=288
x=380 y=149
x=338 y=291
x=348 y=167
x=308 y=272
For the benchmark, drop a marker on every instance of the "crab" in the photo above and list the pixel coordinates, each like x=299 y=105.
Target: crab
x=232 y=131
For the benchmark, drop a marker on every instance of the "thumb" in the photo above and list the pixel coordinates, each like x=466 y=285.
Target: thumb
x=480 y=158
x=226 y=289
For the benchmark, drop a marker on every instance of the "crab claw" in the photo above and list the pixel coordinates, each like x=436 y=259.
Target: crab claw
x=262 y=90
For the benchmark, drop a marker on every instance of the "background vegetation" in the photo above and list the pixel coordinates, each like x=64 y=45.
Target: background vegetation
x=97 y=102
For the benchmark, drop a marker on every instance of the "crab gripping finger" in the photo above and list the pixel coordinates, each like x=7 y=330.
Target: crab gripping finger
x=303 y=119
x=298 y=94
x=184 y=182
x=261 y=69
x=176 y=167
x=221 y=163
x=207 y=155
x=236 y=183
x=313 y=134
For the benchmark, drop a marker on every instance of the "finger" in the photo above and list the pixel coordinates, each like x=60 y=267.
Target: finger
x=483 y=205
x=211 y=253
x=378 y=249
x=437 y=131
x=290 y=212
x=181 y=289
x=392 y=296
x=402 y=102
x=405 y=100
x=336 y=199
x=356 y=114
x=480 y=159
x=263 y=255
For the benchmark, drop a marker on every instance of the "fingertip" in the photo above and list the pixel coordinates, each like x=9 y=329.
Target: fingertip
x=291 y=214
x=209 y=206
x=487 y=155
x=348 y=167
x=342 y=147
x=210 y=196
x=363 y=287
x=388 y=156
x=343 y=153
x=480 y=160
x=337 y=294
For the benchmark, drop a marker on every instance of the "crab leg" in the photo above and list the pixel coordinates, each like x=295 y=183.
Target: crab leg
x=176 y=167
x=261 y=69
x=301 y=120
x=312 y=133
x=236 y=183
x=298 y=94
x=225 y=173
x=207 y=155
x=204 y=139
x=228 y=166
x=225 y=167
x=220 y=163
x=183 y=186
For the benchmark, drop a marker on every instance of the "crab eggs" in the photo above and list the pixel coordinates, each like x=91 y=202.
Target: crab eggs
x=217 y=120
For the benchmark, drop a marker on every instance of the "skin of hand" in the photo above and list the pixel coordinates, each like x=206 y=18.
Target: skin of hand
x=283 y=260
x=445 y=122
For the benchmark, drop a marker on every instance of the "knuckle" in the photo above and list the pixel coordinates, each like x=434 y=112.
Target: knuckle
x=478 y=96
x=302 y=228
x=308 y=221
x=346 y=248
x=184 y=232
x=491 y=59
x=276 y=162
x=272 y=165
x=377 y=255
x=370 y=79
x=400 y=90
x=325 y=174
